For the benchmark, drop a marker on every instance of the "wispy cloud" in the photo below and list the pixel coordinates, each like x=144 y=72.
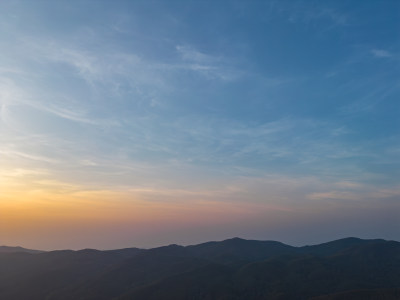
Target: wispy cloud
x=190 y=54
x=300 y=12
x=10 y=154
x=210 y=66
x=381 y=53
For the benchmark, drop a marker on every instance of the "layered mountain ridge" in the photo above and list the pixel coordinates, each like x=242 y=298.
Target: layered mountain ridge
x=230 y=269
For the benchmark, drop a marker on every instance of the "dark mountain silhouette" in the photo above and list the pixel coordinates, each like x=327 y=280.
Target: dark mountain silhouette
x=7 y=249
x=37 y=276
x=349 y=268
x=334 y=247
x=238 y=250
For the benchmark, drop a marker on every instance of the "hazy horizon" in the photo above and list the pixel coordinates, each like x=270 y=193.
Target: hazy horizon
x=195 y=244
x=147 y=123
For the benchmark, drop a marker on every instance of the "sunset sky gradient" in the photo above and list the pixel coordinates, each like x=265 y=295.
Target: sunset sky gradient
x=144 y=123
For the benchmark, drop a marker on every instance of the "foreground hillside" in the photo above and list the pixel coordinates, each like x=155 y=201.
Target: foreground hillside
x=232 y=269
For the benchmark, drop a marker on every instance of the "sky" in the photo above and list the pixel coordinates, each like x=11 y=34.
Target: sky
x=147 y=123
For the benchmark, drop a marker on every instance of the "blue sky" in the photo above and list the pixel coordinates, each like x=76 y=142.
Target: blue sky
x=283 y=113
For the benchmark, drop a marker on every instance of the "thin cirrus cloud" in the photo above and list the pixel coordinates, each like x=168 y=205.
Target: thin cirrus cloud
x=381 y=53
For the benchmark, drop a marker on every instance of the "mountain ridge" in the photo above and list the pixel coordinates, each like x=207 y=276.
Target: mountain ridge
x=6 y=248
x=230 y=269
x=13 y=249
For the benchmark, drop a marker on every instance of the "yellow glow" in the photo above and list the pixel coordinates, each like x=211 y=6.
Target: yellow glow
x=54 y=211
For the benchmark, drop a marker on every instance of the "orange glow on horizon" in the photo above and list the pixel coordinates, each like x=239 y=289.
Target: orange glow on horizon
x=38 y=213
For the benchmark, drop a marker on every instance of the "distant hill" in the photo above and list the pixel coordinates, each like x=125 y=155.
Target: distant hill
x=7 y=249
x=349 y=268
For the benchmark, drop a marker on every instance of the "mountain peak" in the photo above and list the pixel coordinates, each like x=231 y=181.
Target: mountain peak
x=16 y=249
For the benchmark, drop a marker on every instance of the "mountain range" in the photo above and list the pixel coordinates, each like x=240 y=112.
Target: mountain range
x=349 y=268
x=8 y=249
